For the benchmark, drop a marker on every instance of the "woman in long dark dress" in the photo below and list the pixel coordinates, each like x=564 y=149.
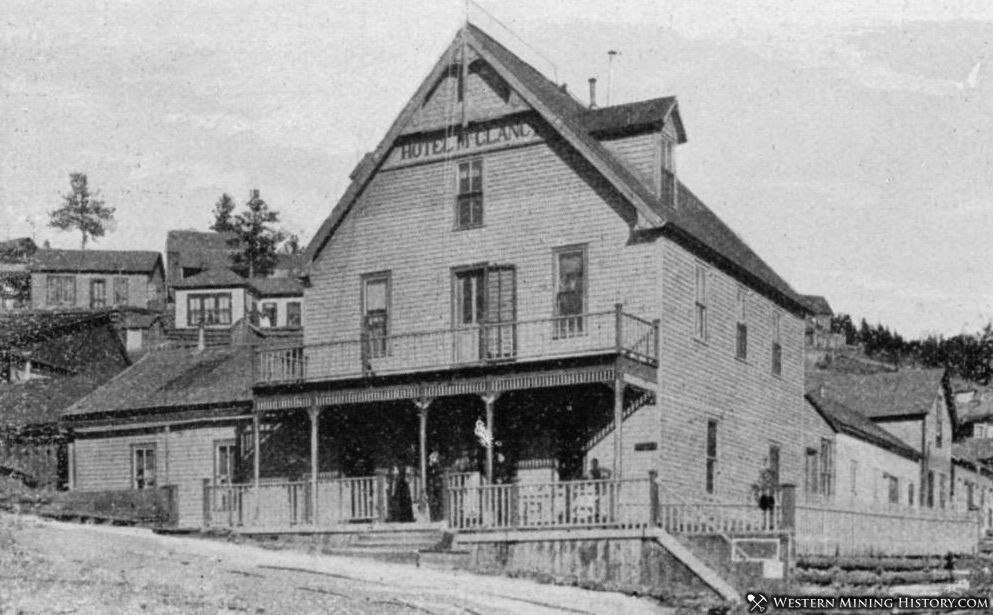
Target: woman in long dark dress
x=401 y=506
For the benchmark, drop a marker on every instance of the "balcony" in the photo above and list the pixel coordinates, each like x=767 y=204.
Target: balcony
x=600 y=333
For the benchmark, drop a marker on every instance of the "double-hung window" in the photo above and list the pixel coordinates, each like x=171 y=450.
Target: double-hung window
x=376 y=313
x=827 y=467
x=208 y=309
x=741 y=337
x=700 y=310
x=269 y=314
x=224 y=461
x=810 y=478
x=60 y=291
x=469 y=201
x=143 y=466
x=570 y=291
x=892 y=487
x=98 y=293
x=293 y=318
x=777 y=345
x=120 y=291
x=711 y=478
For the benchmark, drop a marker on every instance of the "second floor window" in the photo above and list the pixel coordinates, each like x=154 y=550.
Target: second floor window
x=268 y=314
x=60 y=290
x=711 y=478
x=700 y=313
x=741 y=337
x=98 y=293
x=827 y=466
x=208 y=309
x=143 y=466
x=293 y=317
x=570 y=291
x=376 y=312
x=120 y=291
x=777 y=346
x=469 y=202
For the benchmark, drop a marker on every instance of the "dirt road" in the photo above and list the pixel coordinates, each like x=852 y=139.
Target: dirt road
x=50 y=567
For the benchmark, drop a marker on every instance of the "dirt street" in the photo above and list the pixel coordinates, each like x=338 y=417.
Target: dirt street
x=50 y=567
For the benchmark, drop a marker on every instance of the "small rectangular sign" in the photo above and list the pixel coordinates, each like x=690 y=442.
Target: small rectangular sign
x=460 y=142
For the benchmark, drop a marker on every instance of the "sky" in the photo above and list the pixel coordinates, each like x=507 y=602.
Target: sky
x=850 y=144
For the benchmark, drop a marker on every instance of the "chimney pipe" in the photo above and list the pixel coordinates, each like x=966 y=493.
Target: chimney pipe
x=592 y=92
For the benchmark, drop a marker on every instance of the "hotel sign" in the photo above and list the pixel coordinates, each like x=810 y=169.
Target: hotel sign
x=472 y=140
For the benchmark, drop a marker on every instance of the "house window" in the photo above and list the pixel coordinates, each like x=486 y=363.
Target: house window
x=376 y=313
x=910 y=494
x=930 y=489
x=939 y=429
x=942 y=489
x=60 y=290
x=143 y=466
x=98 y=293
x=741 y=340
x=120 y=291
x=854 y=476
x=774 y=464
x=469 y=202
x=810 y=481
x=268 y=314
x=777 y=347
x=293 y=317
x=570 y=291
x=711 y=455
x=827 y=467
x=208 y=309
x=700 y=315
x=892 y=488
x=224 y=462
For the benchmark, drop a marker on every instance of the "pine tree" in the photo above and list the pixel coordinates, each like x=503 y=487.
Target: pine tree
x=81 y=210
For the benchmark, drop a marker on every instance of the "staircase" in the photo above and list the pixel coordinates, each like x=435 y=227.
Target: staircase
x=642 y=400
x=391 y=544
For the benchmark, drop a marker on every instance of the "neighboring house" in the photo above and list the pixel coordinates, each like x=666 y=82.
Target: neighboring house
x=870 y=465
x=819 y=336
x=973 y=479
x=190 y=252
x=913 y=405
x=219 y=298
x=48 y=360
x=533 y=268
x=15 y=279
x=171 y=419
x=70 y=279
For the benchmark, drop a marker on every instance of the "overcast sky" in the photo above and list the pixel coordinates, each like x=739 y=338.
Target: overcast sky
x=850 y=145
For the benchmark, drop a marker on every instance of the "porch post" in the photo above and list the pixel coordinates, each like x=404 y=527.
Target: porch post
x=618 y=424
x=315 y=416
x=422 y=414
x=490 y=400
x=256 y=462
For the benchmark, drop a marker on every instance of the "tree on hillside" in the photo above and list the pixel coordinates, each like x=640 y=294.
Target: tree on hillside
x=254 y=233
x=291 y=245
x=223 y=209
x=82 y=210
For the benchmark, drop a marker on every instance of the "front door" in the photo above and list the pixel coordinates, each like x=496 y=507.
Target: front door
x=485 y=314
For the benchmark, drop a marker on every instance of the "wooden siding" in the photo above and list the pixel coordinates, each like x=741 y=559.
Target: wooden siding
x=184 y=457
x=143 y=290
x=701 y=381
x=871 y=462
x=640 y=153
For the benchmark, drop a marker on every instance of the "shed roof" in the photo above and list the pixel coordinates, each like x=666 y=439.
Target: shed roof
x=883 y=395
x=95 y=261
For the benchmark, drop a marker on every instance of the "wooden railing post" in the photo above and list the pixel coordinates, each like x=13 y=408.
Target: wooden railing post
x=653 y=498
x=656 y=325
x=446 y=504
x=619 y=327
x=515 y=512
x=206 y=502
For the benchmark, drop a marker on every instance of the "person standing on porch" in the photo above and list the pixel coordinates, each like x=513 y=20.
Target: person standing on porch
x=435 y=485
x=401 y=509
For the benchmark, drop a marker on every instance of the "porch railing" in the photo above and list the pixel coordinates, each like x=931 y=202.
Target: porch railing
x=567 y=504
x=546 y=338
x=724 y=519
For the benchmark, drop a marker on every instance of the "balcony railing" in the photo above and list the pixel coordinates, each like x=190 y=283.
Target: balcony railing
x=524 y=340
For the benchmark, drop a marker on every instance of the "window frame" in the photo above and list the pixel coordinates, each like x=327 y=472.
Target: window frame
x=570 y=325
x=741 y=331
x=60 y=290
x=776 y=367
x=100 y=283
x=226 y=443
x=711 y=455
x=267 y=307
x=701 y=298
x=380 y=346
x=119 y=283
x=470 y=194
x=143 y=482
x=220 y=313
x=811 y=479
x=294 y=314
x=826 y=467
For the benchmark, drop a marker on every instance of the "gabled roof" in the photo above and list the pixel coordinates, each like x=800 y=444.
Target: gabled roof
x=692 y=224
x=845 y=420
x=183 y=240
x=629 y=117
x=178 y=378
x=818 y=305
x=96 y=261
x=885 y=395
x=220 y=277
x=277 y=287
